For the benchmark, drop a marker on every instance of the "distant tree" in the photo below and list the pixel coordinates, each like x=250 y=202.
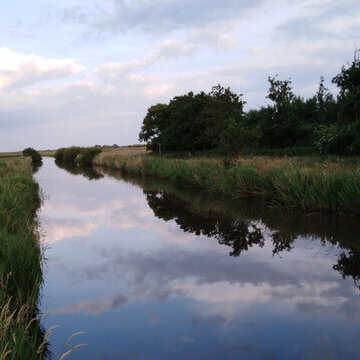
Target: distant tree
x=35 y=155
x=67 y=155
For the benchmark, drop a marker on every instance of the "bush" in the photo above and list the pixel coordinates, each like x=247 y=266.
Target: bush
x=86 y=156
x=335 y=139
x=75 y=155
x=59 y=154
x=67 y=155
x=35 y=155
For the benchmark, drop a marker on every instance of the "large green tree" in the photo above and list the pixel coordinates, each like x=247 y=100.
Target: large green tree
x=192 y=121
x=154 y=124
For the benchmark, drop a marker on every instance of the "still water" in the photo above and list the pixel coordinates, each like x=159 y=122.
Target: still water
x=151 y=271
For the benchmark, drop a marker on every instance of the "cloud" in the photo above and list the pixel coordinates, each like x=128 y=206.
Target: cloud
x=329 y=21
x=56 y=230
x=217 y=37
x=218 y=287
x=157 y=16
x=118 y=72
x=18 y=70
x=91 y=307
x=173 y=49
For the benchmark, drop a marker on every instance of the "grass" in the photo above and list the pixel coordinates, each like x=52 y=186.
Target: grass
x=20 y=262
x=308 y=183
x=48 y=153
x=8 y=155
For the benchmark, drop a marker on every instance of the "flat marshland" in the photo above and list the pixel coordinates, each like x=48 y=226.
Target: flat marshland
x=330 y=184
x=20 y=261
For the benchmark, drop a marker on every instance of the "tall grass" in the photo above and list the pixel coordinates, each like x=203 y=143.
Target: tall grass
x=309 y=184
x=21 y=336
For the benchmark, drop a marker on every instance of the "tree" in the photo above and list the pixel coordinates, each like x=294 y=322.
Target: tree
x=192 y=121
x=154 y=123
x=35 y=155
x=348 y=80
x=222 y=105
x=280 y=92
x=279 y=125
x=236 y=137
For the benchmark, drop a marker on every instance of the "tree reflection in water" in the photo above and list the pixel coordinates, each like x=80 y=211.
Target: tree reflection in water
x=242 y=226
x=241 y=233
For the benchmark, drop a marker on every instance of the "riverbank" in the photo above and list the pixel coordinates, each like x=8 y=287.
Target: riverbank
x=307 y=183
x=20 y=262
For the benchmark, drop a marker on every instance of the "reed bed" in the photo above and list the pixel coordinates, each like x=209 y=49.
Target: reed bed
x=21 y=336
x=310 y=184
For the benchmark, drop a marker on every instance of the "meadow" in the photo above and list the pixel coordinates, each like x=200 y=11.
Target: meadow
x=311 y=184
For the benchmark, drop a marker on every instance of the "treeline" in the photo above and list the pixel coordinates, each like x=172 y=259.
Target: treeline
x=75 y=155
x=322 y=124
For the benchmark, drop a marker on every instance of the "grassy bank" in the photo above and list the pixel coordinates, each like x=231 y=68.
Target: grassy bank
x=306 y=183
x=21 y=336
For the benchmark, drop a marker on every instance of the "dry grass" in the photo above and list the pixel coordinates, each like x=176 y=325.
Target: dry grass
x=10 y=154
x=49 y=153
x=327 y=164
x=261 y=163
x=125 y=151
x=114 y=157
x=19 y=164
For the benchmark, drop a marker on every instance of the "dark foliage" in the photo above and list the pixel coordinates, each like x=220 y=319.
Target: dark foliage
x=35 y=155
x=75 y=155
x=323 y=124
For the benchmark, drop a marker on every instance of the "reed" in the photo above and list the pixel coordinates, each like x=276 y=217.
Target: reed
x=20 y=263
x=310 y=184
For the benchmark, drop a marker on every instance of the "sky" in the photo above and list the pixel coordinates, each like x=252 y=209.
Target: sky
x=85 y=73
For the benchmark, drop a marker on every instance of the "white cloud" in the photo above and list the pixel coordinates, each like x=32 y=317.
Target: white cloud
x=17 y=70
x=173 y=48
x=54 y=231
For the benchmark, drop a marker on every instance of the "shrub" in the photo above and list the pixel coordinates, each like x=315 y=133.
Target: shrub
x=75 y=155
x=59 y=154
x=35 y=155
x=86 y=156
x=67 y=155
x=335 y=139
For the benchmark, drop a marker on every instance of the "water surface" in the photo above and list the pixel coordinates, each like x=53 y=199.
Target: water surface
x=151 y=271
